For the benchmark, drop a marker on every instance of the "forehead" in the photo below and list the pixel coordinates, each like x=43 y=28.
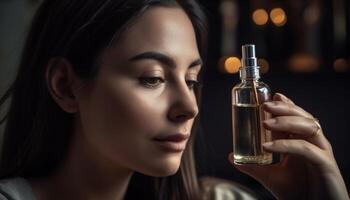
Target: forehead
x=164 y=29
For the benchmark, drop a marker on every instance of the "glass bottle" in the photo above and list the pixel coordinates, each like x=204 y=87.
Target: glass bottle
x=247 y=114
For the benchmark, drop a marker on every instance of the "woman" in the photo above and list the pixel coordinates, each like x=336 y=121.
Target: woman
x=108 y=88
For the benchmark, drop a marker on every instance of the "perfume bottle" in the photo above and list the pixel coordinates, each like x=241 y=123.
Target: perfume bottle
x=247 y=113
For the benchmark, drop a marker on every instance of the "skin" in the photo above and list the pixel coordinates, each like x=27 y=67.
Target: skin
x=132 y=99
x=308 y=169
x=119 y=112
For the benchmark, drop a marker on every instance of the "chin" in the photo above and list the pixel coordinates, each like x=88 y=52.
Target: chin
x=167 y=172
x=161 y=169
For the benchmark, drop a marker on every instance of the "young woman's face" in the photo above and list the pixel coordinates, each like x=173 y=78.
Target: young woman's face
x=143 y=91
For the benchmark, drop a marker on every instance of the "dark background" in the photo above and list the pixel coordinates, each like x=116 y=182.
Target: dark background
x=324 y=90
x=316 y=36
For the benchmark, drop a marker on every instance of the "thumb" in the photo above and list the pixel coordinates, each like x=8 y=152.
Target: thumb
x=258 y=172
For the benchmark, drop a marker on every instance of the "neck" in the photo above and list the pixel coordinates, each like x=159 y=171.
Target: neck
x=85 y=174
x=250 y=79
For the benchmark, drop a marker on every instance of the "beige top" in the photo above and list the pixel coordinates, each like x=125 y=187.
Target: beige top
x=215 y=189
x=221 y=189
x=15 y=189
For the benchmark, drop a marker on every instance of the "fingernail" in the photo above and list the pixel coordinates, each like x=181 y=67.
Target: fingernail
x=267 y=144
x=270 y=103
x=270 y=121
x=284 y=98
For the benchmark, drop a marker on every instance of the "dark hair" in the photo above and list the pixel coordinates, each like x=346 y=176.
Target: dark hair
x=38 y=131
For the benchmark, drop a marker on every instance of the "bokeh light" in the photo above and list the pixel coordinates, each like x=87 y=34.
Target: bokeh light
x=230 y=64
x=341 y=65
x=303 y=63
x=260 y=17
x=278 y=16
x=264 y=65
x=312 y=14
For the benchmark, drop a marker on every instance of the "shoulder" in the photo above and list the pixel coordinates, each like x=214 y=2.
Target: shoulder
x=15 y=189
x=221 y=189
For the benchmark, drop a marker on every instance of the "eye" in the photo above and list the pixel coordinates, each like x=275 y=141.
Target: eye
x=151 y=82
x=192 y=83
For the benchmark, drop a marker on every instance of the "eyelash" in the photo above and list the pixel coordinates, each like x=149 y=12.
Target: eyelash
x=146 y=82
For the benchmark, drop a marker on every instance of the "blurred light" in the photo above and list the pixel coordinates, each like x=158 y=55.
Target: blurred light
x=341 y=65
x=260 y=17
x=303 y=63
x=226 y=7
x=264 y=65
x=229 y=18
x=312 y=14
x=229 y=12
x=278 y=16
x=340 y=19
x=230 y=64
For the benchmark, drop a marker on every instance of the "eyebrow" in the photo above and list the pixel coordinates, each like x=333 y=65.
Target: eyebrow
x=162 y=58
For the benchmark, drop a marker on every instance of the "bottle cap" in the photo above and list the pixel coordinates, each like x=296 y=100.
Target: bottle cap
x=249 y=68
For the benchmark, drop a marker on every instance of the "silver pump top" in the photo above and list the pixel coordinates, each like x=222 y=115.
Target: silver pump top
x=249 y=68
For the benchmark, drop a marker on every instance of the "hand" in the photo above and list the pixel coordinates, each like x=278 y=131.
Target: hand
x=307 y=169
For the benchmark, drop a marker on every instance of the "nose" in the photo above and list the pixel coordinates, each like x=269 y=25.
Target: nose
x=183 y=105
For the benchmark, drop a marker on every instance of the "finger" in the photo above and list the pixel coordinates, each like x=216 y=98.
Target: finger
x=321 y=140
x=300 y=127
x=300 y=148
x=281 y=108
x=281 y=97
x=258 y=172
x=292 y=124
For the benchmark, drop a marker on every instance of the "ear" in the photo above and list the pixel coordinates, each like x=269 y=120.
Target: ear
x=62 y=82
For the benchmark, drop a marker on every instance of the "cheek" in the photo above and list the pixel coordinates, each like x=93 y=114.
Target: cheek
x=119 y=111
x=119 y=122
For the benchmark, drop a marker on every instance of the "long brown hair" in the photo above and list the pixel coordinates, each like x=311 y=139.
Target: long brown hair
x=37 y=131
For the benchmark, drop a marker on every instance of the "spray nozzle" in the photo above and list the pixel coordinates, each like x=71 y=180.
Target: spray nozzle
x=248 y=55
x=249 y=68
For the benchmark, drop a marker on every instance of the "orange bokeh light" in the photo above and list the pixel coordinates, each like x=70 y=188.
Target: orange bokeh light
x=232 y=64
x=260 y=17
x=341 y=65
x=278 y=16
x=264 y=65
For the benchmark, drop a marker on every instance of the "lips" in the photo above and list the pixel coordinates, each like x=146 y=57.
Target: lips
x=172 y=143
x=178 y=137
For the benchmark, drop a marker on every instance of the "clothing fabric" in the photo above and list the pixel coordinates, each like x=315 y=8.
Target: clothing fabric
x=221 y=189
x=16 y=189
x=215 y=189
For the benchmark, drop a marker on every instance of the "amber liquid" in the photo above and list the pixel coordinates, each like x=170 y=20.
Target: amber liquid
x=249 y=134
